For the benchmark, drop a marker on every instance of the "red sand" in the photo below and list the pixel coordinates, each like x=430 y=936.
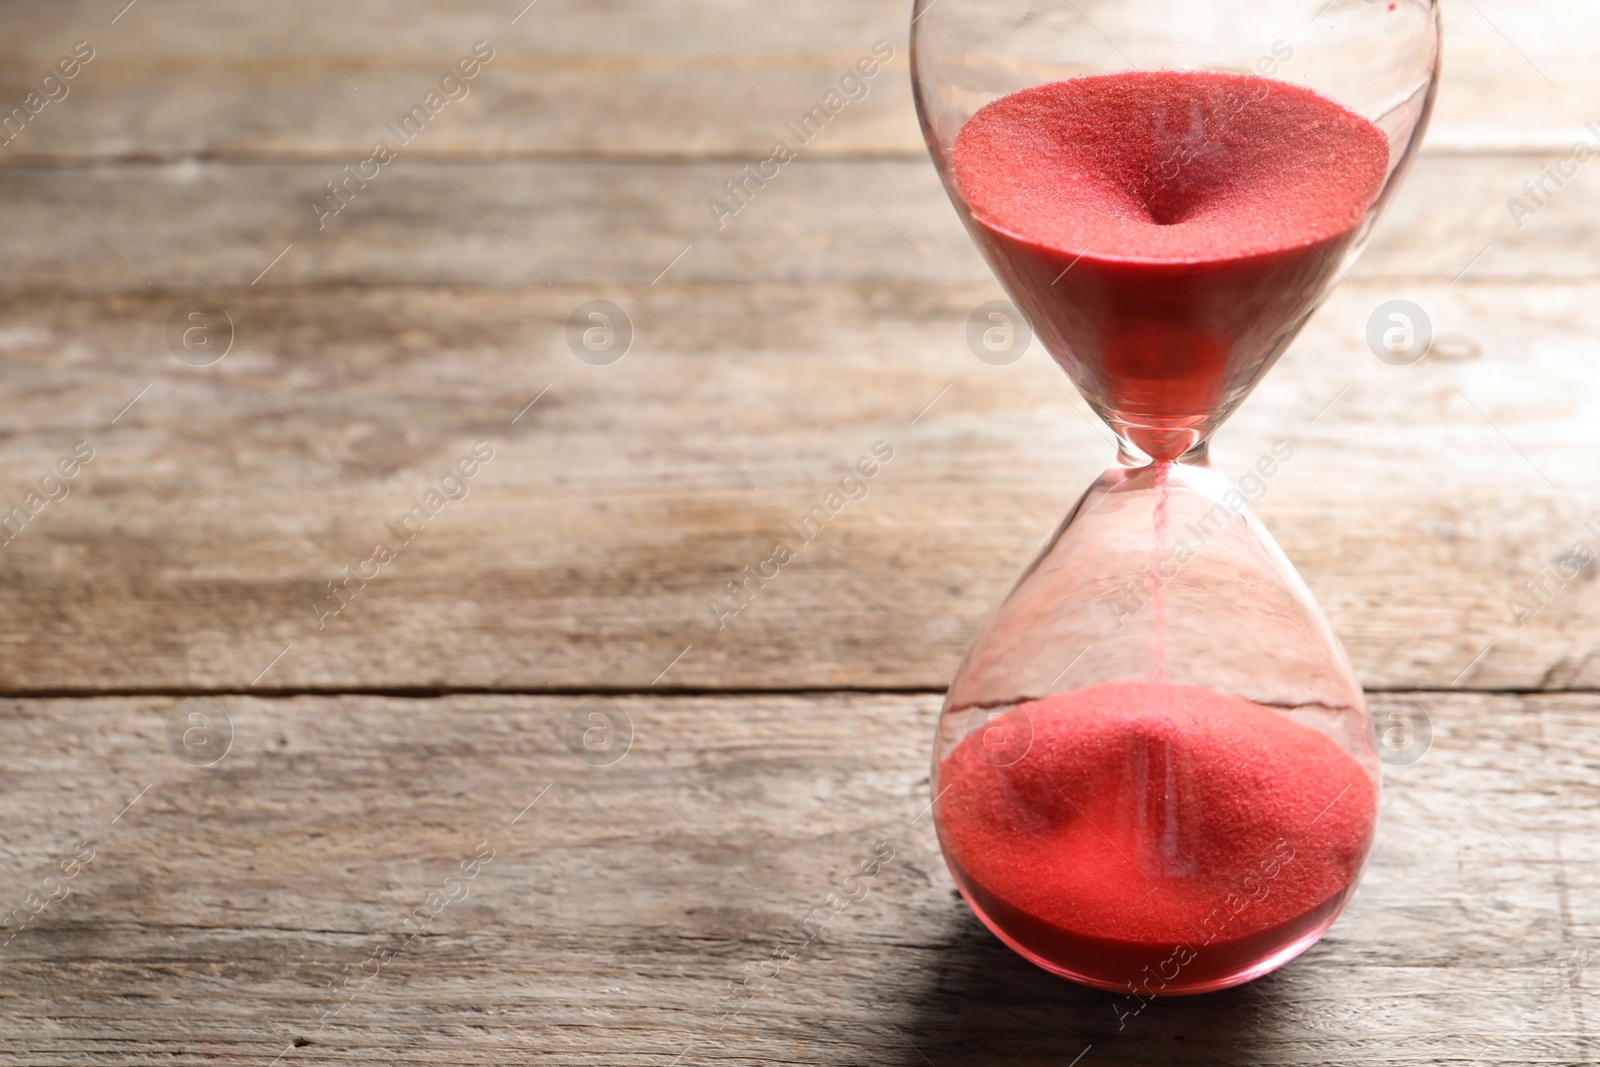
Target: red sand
x=1146 y=817
x=1198 y=216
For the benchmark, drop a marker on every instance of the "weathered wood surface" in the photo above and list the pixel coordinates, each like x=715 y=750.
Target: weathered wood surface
x=588 y=551
x=198 y=226
x=186 y=79
x=226 y=907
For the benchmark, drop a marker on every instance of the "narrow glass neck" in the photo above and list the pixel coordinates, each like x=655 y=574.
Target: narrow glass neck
x=1132 y=458
x=1172 y=436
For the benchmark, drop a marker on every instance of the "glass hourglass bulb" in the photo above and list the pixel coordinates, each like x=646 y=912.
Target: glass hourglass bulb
x=1153 y=772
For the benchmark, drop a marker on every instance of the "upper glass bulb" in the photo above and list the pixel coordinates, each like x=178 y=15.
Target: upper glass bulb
x=1168 y=188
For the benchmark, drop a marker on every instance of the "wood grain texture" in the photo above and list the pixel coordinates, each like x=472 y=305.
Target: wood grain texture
x=195 y=226
x=227 y=904
x=587 y=553
x=623 y=78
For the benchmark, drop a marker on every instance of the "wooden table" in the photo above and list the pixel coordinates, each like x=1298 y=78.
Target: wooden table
x=407 y=853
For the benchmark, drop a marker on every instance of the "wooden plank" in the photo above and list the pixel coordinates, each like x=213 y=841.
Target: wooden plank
x=226 y=906
x=203 y=226
x=631 y=78
x=199 y=542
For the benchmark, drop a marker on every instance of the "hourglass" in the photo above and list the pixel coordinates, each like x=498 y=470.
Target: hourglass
x=1154 y=773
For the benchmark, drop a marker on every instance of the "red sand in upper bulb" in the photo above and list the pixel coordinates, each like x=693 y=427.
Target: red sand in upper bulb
x=1167 y=232
x=1163 y=838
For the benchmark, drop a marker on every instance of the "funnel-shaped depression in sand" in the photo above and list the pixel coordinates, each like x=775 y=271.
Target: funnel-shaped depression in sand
x=1167 y=232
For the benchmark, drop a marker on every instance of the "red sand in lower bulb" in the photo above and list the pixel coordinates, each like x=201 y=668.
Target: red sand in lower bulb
x=1156 y=838
x=1167 y=232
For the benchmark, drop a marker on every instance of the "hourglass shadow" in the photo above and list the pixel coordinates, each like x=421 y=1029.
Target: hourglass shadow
x=983 y=1004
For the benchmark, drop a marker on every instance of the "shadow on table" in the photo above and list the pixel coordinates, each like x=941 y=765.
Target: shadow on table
x=983 y=1004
